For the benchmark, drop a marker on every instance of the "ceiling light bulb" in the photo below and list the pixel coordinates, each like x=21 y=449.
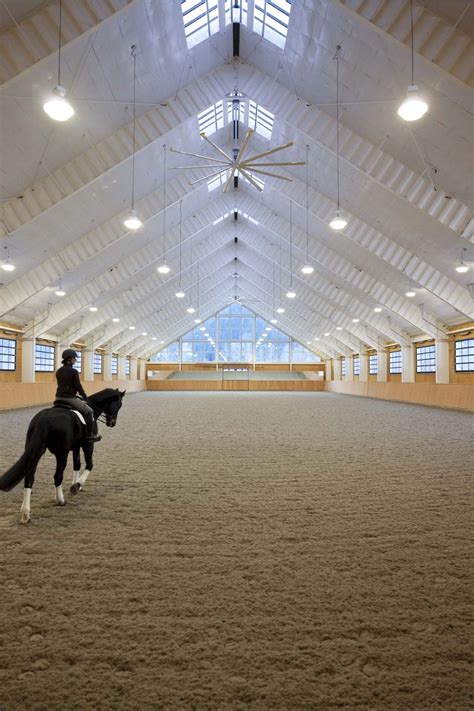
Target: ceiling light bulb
x=280 y=310
x=290 y=294
x=337 y=222
x=338 y=328
x=163 y=269
x=203 y=328
x=180 y=294
x=410 y=294
x=264 y=335
x=316 y=339
x=197 y=320
x=132 y=328
x=307 y=269
x=153 y=338
x=327 y=334
x=308 y=343
x=414 y=106
x=206 y=334
x=57 y=106
x=93 y=308
x=268 y=328
x=60 y=292
x=144 y=333
x=8 y=267
x=115 y=320
x=462 y=269
x=355 y=320
x=132 y=221
x=273 y=320
x=190 y=309
x=377 y=309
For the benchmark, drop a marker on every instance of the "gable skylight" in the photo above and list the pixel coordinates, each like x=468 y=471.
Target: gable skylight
x=270 y=20
x=201 y=20
x=211 y=119
x=220 y=180
x=236 y=11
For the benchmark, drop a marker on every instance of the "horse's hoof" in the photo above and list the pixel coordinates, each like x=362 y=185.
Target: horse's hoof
x=25 y=518
x=61 y=503
x=75 y=488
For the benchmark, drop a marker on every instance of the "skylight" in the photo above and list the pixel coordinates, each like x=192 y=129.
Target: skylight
x=217 y=181
x=255 y=116
x=270 y=20
x=201 y=20
x=236 y=11
x=259 y=182
x=211 y=119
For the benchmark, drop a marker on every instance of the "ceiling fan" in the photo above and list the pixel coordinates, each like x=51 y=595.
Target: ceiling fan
x=239 y=164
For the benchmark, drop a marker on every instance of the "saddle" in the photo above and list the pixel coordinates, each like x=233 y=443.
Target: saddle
x=66 y=406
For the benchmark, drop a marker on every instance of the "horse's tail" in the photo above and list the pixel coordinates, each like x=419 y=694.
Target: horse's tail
x=34 y=449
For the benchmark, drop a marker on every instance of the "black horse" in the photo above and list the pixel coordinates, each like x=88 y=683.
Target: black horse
x=59 y=430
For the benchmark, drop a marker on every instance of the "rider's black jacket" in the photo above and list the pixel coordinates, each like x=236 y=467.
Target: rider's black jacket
x=68 y=382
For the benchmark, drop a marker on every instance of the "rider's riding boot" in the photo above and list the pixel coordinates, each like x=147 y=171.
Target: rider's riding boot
x=92 y=434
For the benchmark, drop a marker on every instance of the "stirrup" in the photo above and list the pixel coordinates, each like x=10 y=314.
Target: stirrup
x=93 y=438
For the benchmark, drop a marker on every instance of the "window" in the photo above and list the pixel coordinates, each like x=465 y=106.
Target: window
x=356 y=365
x=260 y=119
x=373 y=364
x=464 y=355
x=211 y=119
x=170 y=354
x=127 y=366
x=216 y=182
x=300 y=354
x=7 y=354
x=78 y=364
x=201 y=20
x=114 y=365
x=426 y=359
x=44 y=358
x=259 y=181
x=97 y=363
x=236 y=11
x=271 y=18
x=395 y=362
x=343 y=366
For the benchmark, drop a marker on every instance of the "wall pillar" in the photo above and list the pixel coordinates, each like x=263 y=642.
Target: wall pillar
x=381 y=366
x=408 y=364
x=107 y=366
x=442 y=360
x=349 y=377
x=88 y=364
x=328 y=370
x=133 y=368
x=121 y=367
x=28 y=360
x=364 y=368
x=142 y=368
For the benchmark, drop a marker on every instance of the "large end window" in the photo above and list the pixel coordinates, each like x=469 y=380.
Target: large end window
x=464 y=355
x=7 y=354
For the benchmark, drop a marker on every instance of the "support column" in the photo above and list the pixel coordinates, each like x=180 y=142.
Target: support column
x=408 y=364
x=349 y=377
x=381 y=366
x=28 y=360
x=121 y=367
x=142 y=368
x=133 y=369
x=337 y=369
x=88 y=364
x=58 y=349
x=442 y=360
x=328 y=369
x=107 y=366
x=364 y=368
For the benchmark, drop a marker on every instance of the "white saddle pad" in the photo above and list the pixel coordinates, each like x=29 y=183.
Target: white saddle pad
x=80 y=416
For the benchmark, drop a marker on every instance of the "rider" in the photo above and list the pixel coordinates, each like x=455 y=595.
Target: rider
x=69 y=385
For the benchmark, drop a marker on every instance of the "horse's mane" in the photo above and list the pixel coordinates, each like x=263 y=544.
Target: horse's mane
x=106 y=394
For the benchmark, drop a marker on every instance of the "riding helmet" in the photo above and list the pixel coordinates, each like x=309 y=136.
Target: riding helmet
x=69 y=353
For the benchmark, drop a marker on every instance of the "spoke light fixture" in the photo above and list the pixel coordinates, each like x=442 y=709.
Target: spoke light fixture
x=57 y=106
x=164 y=268
x=307 y=268
x=132 y=221
x=414 y=106
x=337 y=222
x=180 y=293
x=290 y=294
x=462 y=268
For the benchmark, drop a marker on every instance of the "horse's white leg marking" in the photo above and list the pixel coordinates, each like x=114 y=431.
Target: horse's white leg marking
x=25 y=506
x=75 y=476
x=60 y=500
x=83 y=478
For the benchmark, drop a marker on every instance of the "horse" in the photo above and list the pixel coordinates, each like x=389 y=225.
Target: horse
x=60 y=430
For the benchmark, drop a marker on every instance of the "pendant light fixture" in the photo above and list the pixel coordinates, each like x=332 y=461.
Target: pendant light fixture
x=337 y=222
x=411 y=293
x=462 y=268
x=132 y=221
x=180 y=293
x=164 y=268
x=290 y=294
x=307 y=268
x=7 y=266
x=415 y=105
x=191 y=309
x=197 y=320
x=280 y=309
x=60 y=291
x=57 y=106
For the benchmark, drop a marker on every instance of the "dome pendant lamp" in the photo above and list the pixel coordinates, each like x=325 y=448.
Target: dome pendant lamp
x=337 y=222
x=414 y=106
x=132 y=221
x=307 y=268
x=57 y=106
x=163 y=268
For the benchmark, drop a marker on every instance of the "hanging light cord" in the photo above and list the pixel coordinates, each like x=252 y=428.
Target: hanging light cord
x=307 y=205
x=412 y=49
x=164 y=202
x=337 y=122
x=180 y=240
x=291 y=244
x=134 y=55
x=59 y=42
